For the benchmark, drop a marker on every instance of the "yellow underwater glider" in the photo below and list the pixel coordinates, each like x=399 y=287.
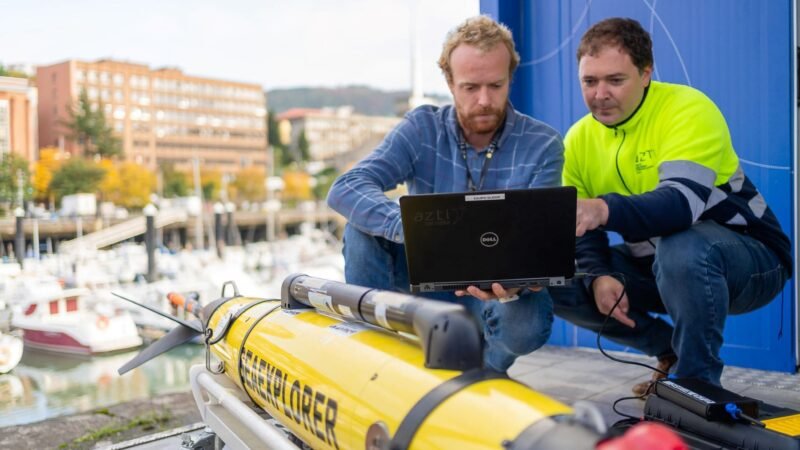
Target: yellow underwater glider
x=337 y=366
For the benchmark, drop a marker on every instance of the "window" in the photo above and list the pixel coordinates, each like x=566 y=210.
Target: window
x=118 y=79
x=54 y=307
x=72 y=304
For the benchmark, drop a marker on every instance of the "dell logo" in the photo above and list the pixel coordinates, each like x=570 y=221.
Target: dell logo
x=489 y=239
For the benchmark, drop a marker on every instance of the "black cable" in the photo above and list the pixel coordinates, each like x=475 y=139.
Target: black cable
x=605 y=322
x=614 y=406
x=635 y=363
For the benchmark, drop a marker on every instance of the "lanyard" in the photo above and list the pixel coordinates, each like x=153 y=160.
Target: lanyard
x=462 y=146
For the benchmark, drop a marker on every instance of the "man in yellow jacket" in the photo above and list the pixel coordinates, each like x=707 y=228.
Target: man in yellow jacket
x=654 y=162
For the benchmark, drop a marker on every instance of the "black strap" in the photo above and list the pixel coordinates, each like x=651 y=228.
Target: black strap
x=424 y=406
x=244 y=341
x=462 y=146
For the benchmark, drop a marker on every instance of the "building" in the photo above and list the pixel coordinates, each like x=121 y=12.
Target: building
x=337 y=137
x=18 y=108
x=162 y=116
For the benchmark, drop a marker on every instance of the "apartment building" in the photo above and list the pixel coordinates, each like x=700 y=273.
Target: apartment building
x=162 y=116
x=18 y=108
x=336 y=136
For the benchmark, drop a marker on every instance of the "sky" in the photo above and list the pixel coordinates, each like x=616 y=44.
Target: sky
x=276 y=44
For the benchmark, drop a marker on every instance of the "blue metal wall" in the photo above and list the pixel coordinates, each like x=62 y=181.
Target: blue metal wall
x=740 y=53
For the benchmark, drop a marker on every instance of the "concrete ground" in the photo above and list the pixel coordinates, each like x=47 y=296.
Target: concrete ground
x=573 y=374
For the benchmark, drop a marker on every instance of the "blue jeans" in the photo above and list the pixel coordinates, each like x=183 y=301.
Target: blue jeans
x=697 y=277
x=509 y=329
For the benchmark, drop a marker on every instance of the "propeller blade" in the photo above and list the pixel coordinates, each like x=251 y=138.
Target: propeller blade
x=174 y=338
x=195 y=324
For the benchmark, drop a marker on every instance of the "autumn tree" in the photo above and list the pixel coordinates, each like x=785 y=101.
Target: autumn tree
x=90 y=129
x=137 y=183
x=111 y=185
x=43 y=170
x=297 y=186
x=249 y=185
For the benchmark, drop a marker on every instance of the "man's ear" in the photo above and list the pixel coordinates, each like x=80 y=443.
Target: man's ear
x=647 y=74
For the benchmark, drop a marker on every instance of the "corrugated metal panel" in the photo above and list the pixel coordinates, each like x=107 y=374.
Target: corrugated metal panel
x=740 y=53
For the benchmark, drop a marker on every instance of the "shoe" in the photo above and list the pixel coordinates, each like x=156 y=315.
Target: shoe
x=664 y=364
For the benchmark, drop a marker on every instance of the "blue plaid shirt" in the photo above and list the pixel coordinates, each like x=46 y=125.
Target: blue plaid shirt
x=422 y=151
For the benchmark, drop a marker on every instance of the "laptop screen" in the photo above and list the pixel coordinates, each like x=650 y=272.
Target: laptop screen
x=522 y=237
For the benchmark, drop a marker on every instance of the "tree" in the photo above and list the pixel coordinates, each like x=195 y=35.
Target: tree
x=89 y=128
x=43 y=171
x=76 y=175
x=281 y=156
x=297 y=186
x=303 y=148
x=11 y=73
x=210 y=183
x=137 y=183
x=325 y=179
x=175 y=183
x=249 y=184
x=112 y=183
x=273 y=134
x=12 y=167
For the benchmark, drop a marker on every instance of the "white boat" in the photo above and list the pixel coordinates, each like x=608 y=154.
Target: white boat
x=61 y=320
x=10 y=352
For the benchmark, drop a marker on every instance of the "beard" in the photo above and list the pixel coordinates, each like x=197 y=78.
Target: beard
x=484 y=121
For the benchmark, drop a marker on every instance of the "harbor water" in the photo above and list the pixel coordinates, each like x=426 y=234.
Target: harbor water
x=46 y=385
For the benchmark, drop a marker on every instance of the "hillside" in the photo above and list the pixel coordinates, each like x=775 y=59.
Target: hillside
x=365 y=100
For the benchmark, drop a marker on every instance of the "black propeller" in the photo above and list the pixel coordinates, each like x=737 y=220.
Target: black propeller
x=184 y=332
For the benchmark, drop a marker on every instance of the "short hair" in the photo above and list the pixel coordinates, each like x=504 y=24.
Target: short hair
x=627 y=34
x=482 y=32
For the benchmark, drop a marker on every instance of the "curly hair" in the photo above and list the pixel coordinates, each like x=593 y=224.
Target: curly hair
x=627 y=34
x=481 y=32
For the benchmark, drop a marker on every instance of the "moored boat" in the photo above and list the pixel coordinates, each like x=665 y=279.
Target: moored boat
x=63 y=321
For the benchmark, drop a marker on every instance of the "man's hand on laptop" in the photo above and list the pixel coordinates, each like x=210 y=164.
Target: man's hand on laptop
x=498 y=292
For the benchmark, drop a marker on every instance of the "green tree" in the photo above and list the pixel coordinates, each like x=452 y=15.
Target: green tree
x=12 y=167
x=273 y=134
x=11 y=73
x=90 y=129
x=303 y=148
x=76 y=175
x=176 y=184
x=325 y=179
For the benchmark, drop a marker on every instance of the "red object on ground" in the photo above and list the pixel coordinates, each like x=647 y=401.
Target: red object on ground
x=646 y=436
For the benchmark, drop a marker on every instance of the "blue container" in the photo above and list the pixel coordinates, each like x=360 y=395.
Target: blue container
x=741 y=53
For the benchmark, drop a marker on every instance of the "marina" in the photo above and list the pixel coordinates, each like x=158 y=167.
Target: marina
x=177 y=184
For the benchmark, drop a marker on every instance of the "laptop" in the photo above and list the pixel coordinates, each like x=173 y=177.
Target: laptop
x=518 y=238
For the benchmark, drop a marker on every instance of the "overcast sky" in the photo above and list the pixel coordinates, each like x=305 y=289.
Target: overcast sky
x=277 y=44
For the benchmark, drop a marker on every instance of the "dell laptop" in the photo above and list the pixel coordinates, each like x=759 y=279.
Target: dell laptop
x=518 y=238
